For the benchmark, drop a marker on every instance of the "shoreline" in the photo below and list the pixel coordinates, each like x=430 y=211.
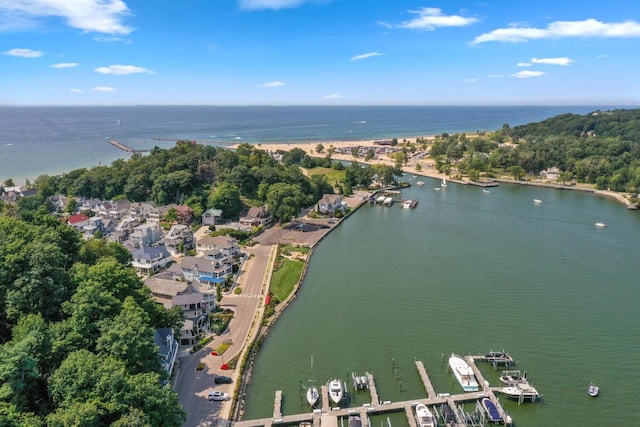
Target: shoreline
x=427 y=165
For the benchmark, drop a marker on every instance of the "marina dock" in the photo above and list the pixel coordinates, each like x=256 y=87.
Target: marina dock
x=378 y=406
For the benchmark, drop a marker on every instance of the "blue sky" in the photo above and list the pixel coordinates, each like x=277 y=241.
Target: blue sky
x=319 y=52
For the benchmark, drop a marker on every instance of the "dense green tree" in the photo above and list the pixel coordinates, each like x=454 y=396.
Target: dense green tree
x=226 y=197
x=285 y=200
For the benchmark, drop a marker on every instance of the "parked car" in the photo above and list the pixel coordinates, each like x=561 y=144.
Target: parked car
x=220 y=379
x=218 y=395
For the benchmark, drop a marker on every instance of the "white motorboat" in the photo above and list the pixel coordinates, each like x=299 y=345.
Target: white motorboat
x=537 y=201
x=409 y=204
x=521 y=392
x=424 y=417
x=463 y=373
x=388 y=201
x=420 y=182
x=600 y=224
x=313 y=395
x=513 y=377
x=336 y=390
x=594 y=390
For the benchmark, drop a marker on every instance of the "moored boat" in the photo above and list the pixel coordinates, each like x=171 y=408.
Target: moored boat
x=600 y=224
x=594 y=390
x=420 y=182
x=336 y=390
x=492 y=410
x=463 y=373
x=513 y=377
x=313 y=395
x=521 y=392
x=424 y=417
x=355 y=421
x=409 y=204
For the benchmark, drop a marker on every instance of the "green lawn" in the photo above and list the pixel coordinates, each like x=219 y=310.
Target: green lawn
x=333 y=176
x=286 y=278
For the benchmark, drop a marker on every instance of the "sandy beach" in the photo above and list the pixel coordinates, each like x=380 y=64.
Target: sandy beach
x=427 y=165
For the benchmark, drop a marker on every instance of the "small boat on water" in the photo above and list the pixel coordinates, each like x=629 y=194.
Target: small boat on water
x=409 y=204
x=420 y=182
x=491 y=409
x=388 y=201
x=513 y=377
x=380 y=199
x=537 y=201
x=313 y=395
x=463 y=373
x=336 y=390
x=355 y=421
x=600 y=224
x=424 y=417
x=594 y=390
x=522 y=392
x=444 y=181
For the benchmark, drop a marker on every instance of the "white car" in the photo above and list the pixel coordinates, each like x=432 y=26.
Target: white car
x=218 y=395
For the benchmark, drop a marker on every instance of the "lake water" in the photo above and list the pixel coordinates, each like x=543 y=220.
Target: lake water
x=54 y=140
x=468 y=271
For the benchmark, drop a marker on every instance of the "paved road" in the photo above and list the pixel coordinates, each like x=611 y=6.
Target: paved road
x=193 y=387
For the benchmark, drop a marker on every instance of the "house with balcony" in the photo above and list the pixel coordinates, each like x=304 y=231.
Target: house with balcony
x=148 y=260
x=212 y=217
x=331 y=203
x=195 y=305
x=179 y=239
x=147 y=234
x=227 y=244
x=210 y=270
x=167 y=348
x=144 y=211
x=257 y=217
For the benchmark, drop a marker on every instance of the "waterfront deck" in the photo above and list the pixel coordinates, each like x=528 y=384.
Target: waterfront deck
x=379 y=407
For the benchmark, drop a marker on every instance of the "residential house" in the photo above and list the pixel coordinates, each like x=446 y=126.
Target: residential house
x=147 y=234
x=78 y=221
x=167 y=348
x=256 y=217
x=212 y=217
x=144 y=211
x=227 y=244
x=210 y=270
x=185 y=214
x=551 y=174
x=148 y=260
x=59 y=202
x=179 y=239
x=195 y=305
x=331 y=203
x=94 y=205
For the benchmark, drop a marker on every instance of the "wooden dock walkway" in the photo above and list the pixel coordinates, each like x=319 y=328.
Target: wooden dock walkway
x=377 y=406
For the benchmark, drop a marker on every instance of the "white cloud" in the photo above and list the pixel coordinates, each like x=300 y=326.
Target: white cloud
x=65 y=65
x=102 y=16
x=553 y=61
x=103 y=89
x=275 y=83
x=122 y=70
x=495 y=76
x=75 y=90
x=333 y=96
x=471 y=80
x=23 y=53
x=270 y=4
x=523 y=64
x=562 y=29
x=429 y=18
x=366 y=55
x=527 y=74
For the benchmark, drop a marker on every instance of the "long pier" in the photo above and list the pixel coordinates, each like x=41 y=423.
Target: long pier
x=378 y=406
x=125 y=148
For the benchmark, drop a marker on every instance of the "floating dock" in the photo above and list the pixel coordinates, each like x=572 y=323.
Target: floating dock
x=320 y=417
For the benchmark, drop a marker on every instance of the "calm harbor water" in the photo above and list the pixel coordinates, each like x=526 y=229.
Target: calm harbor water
x=466 y=272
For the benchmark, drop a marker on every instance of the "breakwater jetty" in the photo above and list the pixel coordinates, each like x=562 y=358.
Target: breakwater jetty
x=124 y=147
x=317 y=417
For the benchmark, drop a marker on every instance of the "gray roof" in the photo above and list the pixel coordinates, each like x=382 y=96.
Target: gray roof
x=151 y=252
x=165 y=286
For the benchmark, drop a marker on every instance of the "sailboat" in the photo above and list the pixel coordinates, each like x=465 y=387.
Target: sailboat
x=444 y=180
x=312 y=392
